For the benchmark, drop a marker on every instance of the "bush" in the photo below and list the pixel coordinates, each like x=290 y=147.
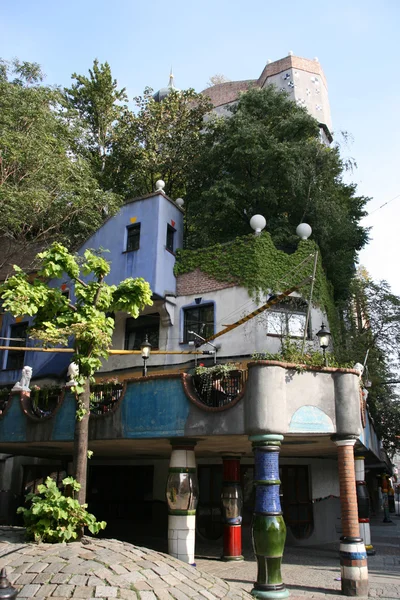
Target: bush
x=53 y=517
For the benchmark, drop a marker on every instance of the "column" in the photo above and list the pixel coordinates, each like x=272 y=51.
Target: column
x=363 y=504
x=232 y=506
x=353 y=557
x=182 y=496
x=385 y=498
x=268 y=527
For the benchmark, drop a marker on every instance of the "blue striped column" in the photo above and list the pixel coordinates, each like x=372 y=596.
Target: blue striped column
x=268 y=527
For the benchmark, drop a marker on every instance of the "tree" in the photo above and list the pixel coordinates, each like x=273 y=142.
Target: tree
x=372 y=331
x=267 y=158
x=160 y=141
x=47 y=191
x=96 y=102
x=217 y=79
x=86 y=321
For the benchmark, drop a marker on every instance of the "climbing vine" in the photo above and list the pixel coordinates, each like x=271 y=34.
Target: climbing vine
x=256 y=264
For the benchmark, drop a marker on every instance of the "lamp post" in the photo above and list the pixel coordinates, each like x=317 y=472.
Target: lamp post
x=146 y=349
x=323 y=335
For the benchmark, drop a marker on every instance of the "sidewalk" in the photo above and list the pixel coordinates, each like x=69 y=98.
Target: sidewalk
x=314 y=572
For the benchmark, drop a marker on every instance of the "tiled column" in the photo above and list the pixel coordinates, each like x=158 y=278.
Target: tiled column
x=363 y=504
x=268 y=528
x=232 y=505
x=182 y=496
x=353 y=557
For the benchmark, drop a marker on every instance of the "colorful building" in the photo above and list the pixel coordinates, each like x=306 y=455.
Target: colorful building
x=173 y=441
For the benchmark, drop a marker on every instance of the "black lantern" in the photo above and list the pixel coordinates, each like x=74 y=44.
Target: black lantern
x=324 y=335
x=146 y=350
x=6 y=590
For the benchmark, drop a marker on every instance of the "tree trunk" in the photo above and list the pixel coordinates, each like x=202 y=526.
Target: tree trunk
x=81 y=441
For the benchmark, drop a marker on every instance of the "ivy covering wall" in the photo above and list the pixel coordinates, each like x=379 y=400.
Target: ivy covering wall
x=254 y=263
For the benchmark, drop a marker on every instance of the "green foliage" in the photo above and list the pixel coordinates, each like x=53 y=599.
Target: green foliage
x=267 y=158
x=53 y=517
x=372 y=325
x=218 y=369
x=95 y=103
x=159 y=140
x=57 y=321
x=256 y=264
x=291 y=352
x=47 y=189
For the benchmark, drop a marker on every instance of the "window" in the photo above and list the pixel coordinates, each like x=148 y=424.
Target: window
x=199 y=319
x=137 y=329
x=288 y=318
x=170 y=238
x=15 y=358
x=133 y=237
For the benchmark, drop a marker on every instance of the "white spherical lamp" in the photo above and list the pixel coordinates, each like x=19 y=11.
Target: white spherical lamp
x=257 y=222
x=160 y=185
x=180 y=202
x=304 y=231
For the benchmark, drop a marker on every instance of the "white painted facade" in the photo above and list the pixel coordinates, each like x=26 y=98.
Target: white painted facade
x=258 y=335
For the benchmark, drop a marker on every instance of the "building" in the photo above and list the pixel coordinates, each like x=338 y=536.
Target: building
x=301 y=78
x=152 y=434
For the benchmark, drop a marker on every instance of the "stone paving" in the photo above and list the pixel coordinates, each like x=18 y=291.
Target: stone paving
x=314 y=572
x=103 y=569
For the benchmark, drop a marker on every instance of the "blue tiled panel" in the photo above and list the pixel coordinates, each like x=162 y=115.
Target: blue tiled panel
x=64 y=421
x=13 y=424
x=155 y=408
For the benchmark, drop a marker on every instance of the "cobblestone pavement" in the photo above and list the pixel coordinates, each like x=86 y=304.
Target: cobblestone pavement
x=104 y=569
x=315 y=572
x=101 y=568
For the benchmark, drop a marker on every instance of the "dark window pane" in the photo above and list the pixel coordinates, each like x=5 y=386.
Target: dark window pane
x=199 y=319
x=15 y=358
x=170 y=238
x=137 y=329
x=133 y=239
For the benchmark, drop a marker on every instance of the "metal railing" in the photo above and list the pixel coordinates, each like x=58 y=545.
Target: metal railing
x=216 y=390
x=44 y=401
x=103 y=397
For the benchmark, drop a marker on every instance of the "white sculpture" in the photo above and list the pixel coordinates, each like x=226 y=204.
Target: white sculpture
x=359 y=368
x=73 y=371
x=23 y=385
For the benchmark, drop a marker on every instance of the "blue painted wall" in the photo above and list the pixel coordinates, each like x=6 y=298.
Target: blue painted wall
x=156 y=408
x=152 y=261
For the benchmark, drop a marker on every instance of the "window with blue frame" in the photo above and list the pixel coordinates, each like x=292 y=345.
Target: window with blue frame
x=15 y=358
x=200 y=319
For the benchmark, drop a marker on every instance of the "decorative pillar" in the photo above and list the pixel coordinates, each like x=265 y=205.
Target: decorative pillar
x=385 y=498
x=232 y=506
x=353 y=557
x=268 y=527
x=363 y=504
x=182 y=496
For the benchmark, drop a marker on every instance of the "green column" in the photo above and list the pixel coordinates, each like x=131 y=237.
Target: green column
x=268 y=527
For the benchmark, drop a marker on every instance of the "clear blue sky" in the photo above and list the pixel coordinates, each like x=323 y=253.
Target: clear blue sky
x=356 y=42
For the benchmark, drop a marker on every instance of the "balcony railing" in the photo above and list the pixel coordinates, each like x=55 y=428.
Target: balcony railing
x=43 y=402
x=216 y=390
x=103 y=397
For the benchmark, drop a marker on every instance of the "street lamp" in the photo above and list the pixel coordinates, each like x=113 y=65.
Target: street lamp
x=146 y=349
x=323 y=335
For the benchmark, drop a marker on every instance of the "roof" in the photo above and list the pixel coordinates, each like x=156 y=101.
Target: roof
x=224 y=93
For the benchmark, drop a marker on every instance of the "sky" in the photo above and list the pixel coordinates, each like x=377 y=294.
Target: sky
x=356 y=42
